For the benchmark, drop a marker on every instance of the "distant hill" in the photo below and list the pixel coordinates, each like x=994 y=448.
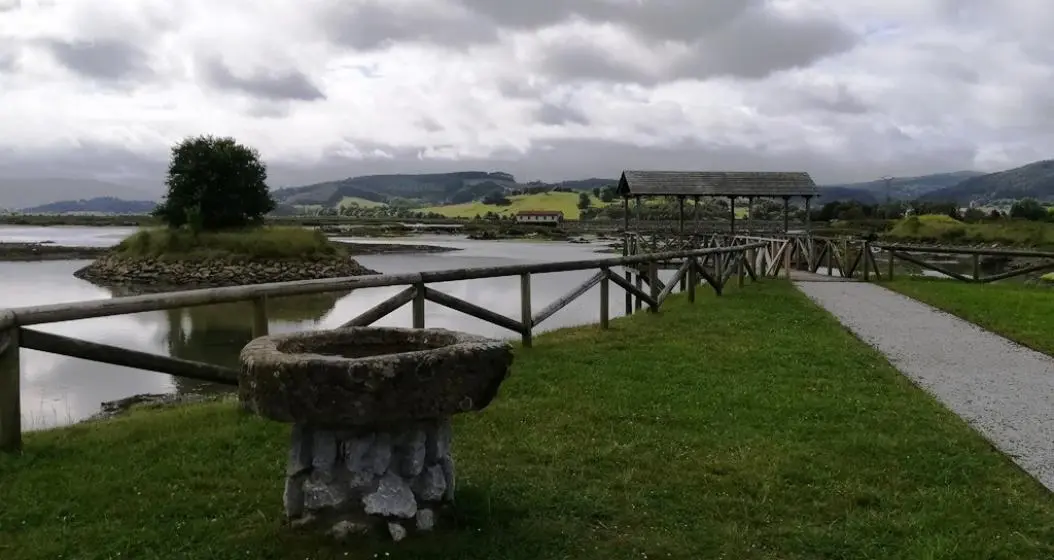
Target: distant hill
x=99 y=205
x=1035 y=180
x=436 y=188
x=900 y=188
x=20 y=192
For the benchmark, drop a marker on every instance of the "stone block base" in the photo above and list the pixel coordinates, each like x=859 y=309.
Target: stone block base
x=359 y=480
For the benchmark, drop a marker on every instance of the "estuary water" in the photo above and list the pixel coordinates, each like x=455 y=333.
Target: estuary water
x=58 y=390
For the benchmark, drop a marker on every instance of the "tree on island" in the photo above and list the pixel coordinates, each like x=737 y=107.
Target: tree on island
x=213 y=184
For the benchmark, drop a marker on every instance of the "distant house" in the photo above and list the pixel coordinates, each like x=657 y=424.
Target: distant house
x=541 y=217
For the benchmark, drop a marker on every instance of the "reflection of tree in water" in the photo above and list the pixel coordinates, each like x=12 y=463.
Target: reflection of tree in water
x=216 y=333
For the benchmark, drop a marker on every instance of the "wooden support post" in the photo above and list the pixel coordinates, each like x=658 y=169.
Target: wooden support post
x=605 y=294
x=786 y=214
x=693 y=279
x=788 y=258
x=695 y=215
x=653 y=284
x=419 y=306
x=808 y=219
x=680 y=215
x=525 y=308
x=260 y=326
x=889 y=264
x=740 y=272
x=750 y=214
x=844 y=265
x=10 y=391
x=732 y=215
x=865 y=261
x=830 y=257
x=976 y=266
x=752 y=259
x=638 y=304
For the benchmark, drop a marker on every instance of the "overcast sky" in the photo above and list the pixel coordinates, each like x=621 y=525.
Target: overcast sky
x=843 y=89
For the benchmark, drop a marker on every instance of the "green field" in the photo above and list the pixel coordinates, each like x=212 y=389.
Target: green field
x=1020 y=312
x=565 y=202
x=943 y=229
x=747 y=426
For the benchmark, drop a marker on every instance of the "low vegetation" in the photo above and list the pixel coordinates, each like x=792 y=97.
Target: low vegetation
x=943 y=229
x=770 y=433
x=566 y=202
x=236 y=245
x=1020 y=312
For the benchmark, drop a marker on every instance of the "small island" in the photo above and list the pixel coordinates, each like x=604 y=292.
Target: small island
x=213 y=233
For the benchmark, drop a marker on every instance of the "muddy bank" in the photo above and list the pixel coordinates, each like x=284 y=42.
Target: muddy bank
x=120 y=407
x=47 y=252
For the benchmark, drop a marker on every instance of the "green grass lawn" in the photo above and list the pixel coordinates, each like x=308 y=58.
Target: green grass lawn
x=566 y=202
x=748 y=426
x=943 y=229
x=1019 y=312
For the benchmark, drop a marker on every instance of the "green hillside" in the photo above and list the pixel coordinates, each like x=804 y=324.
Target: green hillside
x=900 y=188
x=566 y=202
x=1035 y=180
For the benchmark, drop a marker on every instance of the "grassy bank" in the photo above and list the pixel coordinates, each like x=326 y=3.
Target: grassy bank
x=942 y=229
x=747 y=426
x=242 y=245
x=1019 y=312
x=566 y=202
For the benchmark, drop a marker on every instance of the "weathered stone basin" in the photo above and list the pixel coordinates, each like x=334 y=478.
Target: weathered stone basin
x=370 y=409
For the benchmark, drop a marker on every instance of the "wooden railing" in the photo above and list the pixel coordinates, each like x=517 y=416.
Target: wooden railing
x=909 y=254
x=712 y=265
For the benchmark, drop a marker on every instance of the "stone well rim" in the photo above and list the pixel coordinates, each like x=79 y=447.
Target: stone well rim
x=266 y=348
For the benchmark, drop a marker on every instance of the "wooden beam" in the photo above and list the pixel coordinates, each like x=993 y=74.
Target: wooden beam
x=526 y=322
x=473 y=310
x=419 y=305
x=1016 y=272
x=605 y=298
x=260 y=323
x=914 y=260
x=10 y=390
x=639 y=293
x=123 y=357
x=567 y=298
x=382 y=309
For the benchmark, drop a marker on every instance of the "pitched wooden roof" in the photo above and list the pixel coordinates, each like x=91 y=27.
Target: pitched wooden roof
x=716 y=183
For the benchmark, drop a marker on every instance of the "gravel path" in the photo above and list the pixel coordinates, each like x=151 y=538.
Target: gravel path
x=1004 y=390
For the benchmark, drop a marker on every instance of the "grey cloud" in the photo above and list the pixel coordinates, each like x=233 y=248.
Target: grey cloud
x=759 y=43
x=288 y=85
x=752 y=45
x=375 y=25
x=108 y=60
x=551 y=113
x=430 y=125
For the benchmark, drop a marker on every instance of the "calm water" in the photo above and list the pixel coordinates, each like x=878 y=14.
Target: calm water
x=58 y=390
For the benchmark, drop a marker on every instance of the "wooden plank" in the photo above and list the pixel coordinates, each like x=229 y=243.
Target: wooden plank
x=709 y=279
x=473 y=310
x=116 y=356
x=419 y=305
x=693 y=279
x=930 y=266
x=25 y=316
x=625 y=285
x=10 y=389
x=525 y=310
x=965 y=251
x=605 y=298
x=1016 y=272
x=567 y=298
x=382 y=309
x=677 y=277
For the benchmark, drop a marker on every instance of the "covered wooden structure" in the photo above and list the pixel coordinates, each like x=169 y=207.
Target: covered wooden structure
x=718 y=184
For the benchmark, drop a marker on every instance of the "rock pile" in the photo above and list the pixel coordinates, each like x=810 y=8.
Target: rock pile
x=116 y=270
x=351 y=481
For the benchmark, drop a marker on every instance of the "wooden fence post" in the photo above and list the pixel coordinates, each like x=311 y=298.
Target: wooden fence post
x=865 y=260
x=693 y=279
x=605 y=294
x=788 y=256
x=653 y=283
x=525 y=308
x=889 y=265
x=639 y=281
x=10 y=392
x=419 y=305
x=740 y=273
x=976 y=266
x=830 y=258
x=260 y=327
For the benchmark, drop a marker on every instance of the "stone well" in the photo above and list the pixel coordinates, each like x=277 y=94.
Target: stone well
x=370 y=409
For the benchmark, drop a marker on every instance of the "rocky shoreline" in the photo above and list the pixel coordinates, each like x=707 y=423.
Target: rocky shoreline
x=109 y=270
